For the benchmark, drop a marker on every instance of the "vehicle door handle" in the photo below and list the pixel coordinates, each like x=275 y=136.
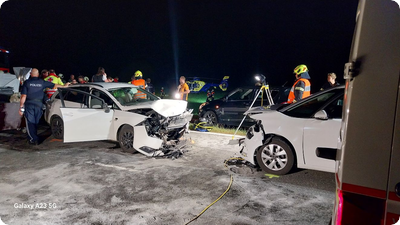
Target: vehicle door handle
x=397 y=189
x=116 y=118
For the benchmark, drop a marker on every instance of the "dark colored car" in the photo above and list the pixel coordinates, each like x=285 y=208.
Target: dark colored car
x=228 y=111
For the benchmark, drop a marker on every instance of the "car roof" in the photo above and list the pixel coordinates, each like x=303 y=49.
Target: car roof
x=105 y=85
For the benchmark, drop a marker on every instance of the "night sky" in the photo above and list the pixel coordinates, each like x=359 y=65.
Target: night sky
x=202 y=38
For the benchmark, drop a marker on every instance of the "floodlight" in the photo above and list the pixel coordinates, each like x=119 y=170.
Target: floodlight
x=260 y=77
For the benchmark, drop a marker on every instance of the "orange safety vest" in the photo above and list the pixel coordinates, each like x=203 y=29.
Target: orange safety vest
x=306 y=92
x=142 y=84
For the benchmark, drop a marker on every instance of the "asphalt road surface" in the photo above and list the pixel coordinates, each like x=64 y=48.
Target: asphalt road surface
x=95 y=183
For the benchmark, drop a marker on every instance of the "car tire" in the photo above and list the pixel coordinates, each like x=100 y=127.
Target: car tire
x=275 y=157
x=57 y=127
x=125 y=139
x=211 y=117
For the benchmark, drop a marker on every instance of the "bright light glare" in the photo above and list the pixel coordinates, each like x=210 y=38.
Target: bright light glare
x=177 y=95
x=258 y=78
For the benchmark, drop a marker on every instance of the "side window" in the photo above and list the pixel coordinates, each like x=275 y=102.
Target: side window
x=248 y=95
x=308 y=108
x=334 y=109
x=74 y=96
x=236 y=95
x=96 y=103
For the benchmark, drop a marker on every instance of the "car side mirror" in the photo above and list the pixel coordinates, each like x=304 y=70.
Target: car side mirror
x=106 y=108
x=321 y=115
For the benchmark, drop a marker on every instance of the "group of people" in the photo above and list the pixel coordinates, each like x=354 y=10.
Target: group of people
x=101 y=76
x=302 y=86
x=136 y=79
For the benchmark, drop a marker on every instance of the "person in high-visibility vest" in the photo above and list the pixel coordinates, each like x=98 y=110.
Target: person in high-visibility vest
x=53 y=78
x=302 y=86
x=140 y=82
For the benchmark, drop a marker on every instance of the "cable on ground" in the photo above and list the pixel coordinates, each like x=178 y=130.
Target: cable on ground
x=226 y=191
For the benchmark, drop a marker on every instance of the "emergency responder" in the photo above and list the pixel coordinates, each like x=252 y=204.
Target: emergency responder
x=139 y=81
x=302 y=86
x=53 y=78
x=31 y=103
x=183 y=88
x=331 y=82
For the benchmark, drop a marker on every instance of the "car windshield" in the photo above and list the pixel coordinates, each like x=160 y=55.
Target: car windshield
x=127 y=96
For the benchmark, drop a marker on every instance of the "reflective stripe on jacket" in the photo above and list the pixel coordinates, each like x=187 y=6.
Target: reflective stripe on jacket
x=55 y=80
x=142 y=84
x=305 y=92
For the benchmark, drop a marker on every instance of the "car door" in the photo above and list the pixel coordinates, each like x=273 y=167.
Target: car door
x=324 y=133
x=236 y=104
x=87 y=124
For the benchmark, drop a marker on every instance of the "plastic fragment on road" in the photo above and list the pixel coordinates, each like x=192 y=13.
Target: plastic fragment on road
x=271 y=175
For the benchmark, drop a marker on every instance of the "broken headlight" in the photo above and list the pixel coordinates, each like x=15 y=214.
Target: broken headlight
x=250 y=133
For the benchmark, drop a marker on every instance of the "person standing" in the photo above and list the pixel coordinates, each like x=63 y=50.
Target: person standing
x=100 y=76
x=81 y=80
x=45 y=73
x=331 y=82
x=71 y=78
x=302 y=86
x=149 y=86
x=183 y=88
x=139 y=81
x=53 y=78
x=31 y=103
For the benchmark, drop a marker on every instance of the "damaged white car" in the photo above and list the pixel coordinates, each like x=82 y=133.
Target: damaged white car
x=136 y=119
x=291 y=135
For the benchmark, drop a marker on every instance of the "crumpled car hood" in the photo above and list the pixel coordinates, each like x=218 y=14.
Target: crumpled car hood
x=164 y=107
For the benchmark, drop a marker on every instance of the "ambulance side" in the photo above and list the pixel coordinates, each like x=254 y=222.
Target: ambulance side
x=368 y=159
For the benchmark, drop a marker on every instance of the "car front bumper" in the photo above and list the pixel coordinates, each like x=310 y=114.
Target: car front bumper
x=253 y=140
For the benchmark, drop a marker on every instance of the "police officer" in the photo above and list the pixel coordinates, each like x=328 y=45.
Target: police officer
x=32 y=102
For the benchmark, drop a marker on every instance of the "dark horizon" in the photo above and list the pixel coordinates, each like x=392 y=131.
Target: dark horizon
x=204 y=38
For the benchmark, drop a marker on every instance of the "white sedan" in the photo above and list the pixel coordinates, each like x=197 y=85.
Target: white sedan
x=137 y=119
x=289 y=136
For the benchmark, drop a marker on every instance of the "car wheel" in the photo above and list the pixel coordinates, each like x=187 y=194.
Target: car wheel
x=57 y=127
x=211 y=117
x=125 y=139
x=276 y=157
